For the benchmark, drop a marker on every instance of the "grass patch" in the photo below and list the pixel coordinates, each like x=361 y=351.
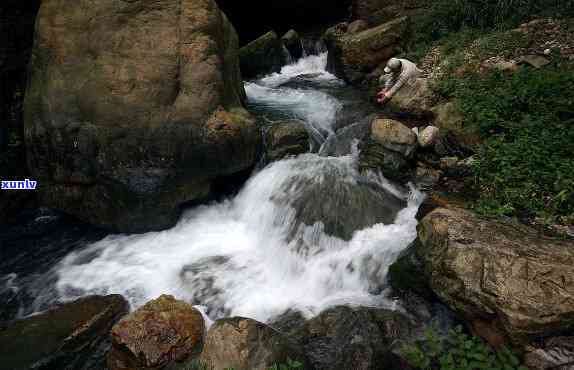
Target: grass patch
x=526 y=119
x=455 y=22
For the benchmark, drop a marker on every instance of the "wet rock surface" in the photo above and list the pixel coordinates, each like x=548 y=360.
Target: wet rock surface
x=344 y=337
x=286 y=139
x=71 y=336
x=389 y=148
x=293 y=43
x=338 y=204
x=161 y=333
x=347 y=138
x=245 y=344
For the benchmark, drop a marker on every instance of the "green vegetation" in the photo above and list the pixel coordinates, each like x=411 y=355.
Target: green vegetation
x=524 y=119
x=458 y=20
x=452 y=15
x=525 y=165
x=458 y=351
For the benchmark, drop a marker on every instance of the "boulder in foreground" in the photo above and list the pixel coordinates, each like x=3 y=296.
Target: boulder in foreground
x=354 y=338
x=245 y=344
x=138 y=113
x=503 y=278
x=161 y=333
x=71 y=336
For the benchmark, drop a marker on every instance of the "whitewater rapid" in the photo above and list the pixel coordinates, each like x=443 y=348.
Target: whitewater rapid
x=240 y=256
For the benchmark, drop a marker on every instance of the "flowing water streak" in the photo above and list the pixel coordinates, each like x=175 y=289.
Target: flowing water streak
x=317 y=109
x=237 y=257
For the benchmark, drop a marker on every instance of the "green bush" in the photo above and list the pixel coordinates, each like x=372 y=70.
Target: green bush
x=458 y=351
x=527 y=121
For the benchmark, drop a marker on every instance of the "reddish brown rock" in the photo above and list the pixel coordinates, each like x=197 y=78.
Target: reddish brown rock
x=162 y=332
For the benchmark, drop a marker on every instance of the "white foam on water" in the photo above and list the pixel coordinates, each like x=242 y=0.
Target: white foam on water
x=259 y=274
x=313 y=65
x=317 y=109
x=238 y=257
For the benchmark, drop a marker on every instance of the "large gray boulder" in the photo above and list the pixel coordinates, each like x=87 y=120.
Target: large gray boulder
x=136 y=114
x=329 y=195
x=415 y=98
x=354 y=55
x=354 y=338
x=71 y=336
x=505 y=279
x=389 y=148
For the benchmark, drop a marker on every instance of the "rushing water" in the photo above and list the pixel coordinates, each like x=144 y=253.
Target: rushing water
x=242 y=256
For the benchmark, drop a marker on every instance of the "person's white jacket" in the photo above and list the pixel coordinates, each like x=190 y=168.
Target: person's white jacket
x=394 y=81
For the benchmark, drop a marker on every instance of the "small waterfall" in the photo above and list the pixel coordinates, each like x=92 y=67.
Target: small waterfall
x=244 y=256
x=298 y=103
x=287 y=57
x=313 y=47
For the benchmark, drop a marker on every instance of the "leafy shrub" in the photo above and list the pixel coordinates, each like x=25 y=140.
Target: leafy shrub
x=527 y=121
x=487 y=14
x=458 y=351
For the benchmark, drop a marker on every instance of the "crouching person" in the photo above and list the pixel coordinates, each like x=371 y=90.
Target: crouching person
x=398 y=73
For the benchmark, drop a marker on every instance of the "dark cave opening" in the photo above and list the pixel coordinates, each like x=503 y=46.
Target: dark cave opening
x=257 y=17
x=17 y=19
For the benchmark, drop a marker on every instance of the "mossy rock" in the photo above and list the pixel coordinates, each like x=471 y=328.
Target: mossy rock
x=353 y=56
x=262 y=56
